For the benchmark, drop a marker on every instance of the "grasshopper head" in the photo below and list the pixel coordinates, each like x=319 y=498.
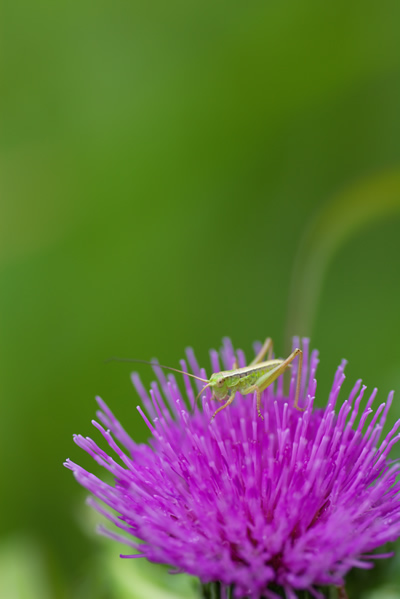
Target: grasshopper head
x=219 y=385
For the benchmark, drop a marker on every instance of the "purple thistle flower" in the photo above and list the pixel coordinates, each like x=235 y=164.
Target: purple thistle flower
x=295 y=500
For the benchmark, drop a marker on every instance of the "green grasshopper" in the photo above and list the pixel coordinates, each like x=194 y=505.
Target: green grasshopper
x=255 y=377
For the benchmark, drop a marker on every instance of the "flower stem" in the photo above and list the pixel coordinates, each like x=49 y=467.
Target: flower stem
x=215 y=590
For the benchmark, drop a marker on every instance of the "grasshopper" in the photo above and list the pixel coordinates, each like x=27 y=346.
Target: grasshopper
x=254 y=378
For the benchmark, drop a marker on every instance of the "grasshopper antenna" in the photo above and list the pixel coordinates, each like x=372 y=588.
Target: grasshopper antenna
x=199 y=394
x=113 y=359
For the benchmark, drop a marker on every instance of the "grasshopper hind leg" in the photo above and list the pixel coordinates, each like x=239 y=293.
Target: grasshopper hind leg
x=266 y=348
x=298 y=381
x=281 y=369
x=259 y=404
x=269 y=377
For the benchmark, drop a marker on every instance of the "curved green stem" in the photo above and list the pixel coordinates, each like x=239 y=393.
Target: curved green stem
x=344 y=216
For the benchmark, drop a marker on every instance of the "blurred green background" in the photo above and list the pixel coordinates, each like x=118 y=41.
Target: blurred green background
x=165 y=168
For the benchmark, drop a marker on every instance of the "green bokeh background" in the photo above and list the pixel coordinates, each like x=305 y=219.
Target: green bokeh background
x=160 y=164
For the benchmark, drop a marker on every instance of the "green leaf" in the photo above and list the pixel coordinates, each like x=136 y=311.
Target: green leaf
x=23 y=573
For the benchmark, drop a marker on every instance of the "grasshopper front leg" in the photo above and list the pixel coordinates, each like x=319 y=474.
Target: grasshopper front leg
x=227 y=403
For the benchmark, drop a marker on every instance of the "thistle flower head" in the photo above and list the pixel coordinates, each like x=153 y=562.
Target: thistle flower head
x=294 y=500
